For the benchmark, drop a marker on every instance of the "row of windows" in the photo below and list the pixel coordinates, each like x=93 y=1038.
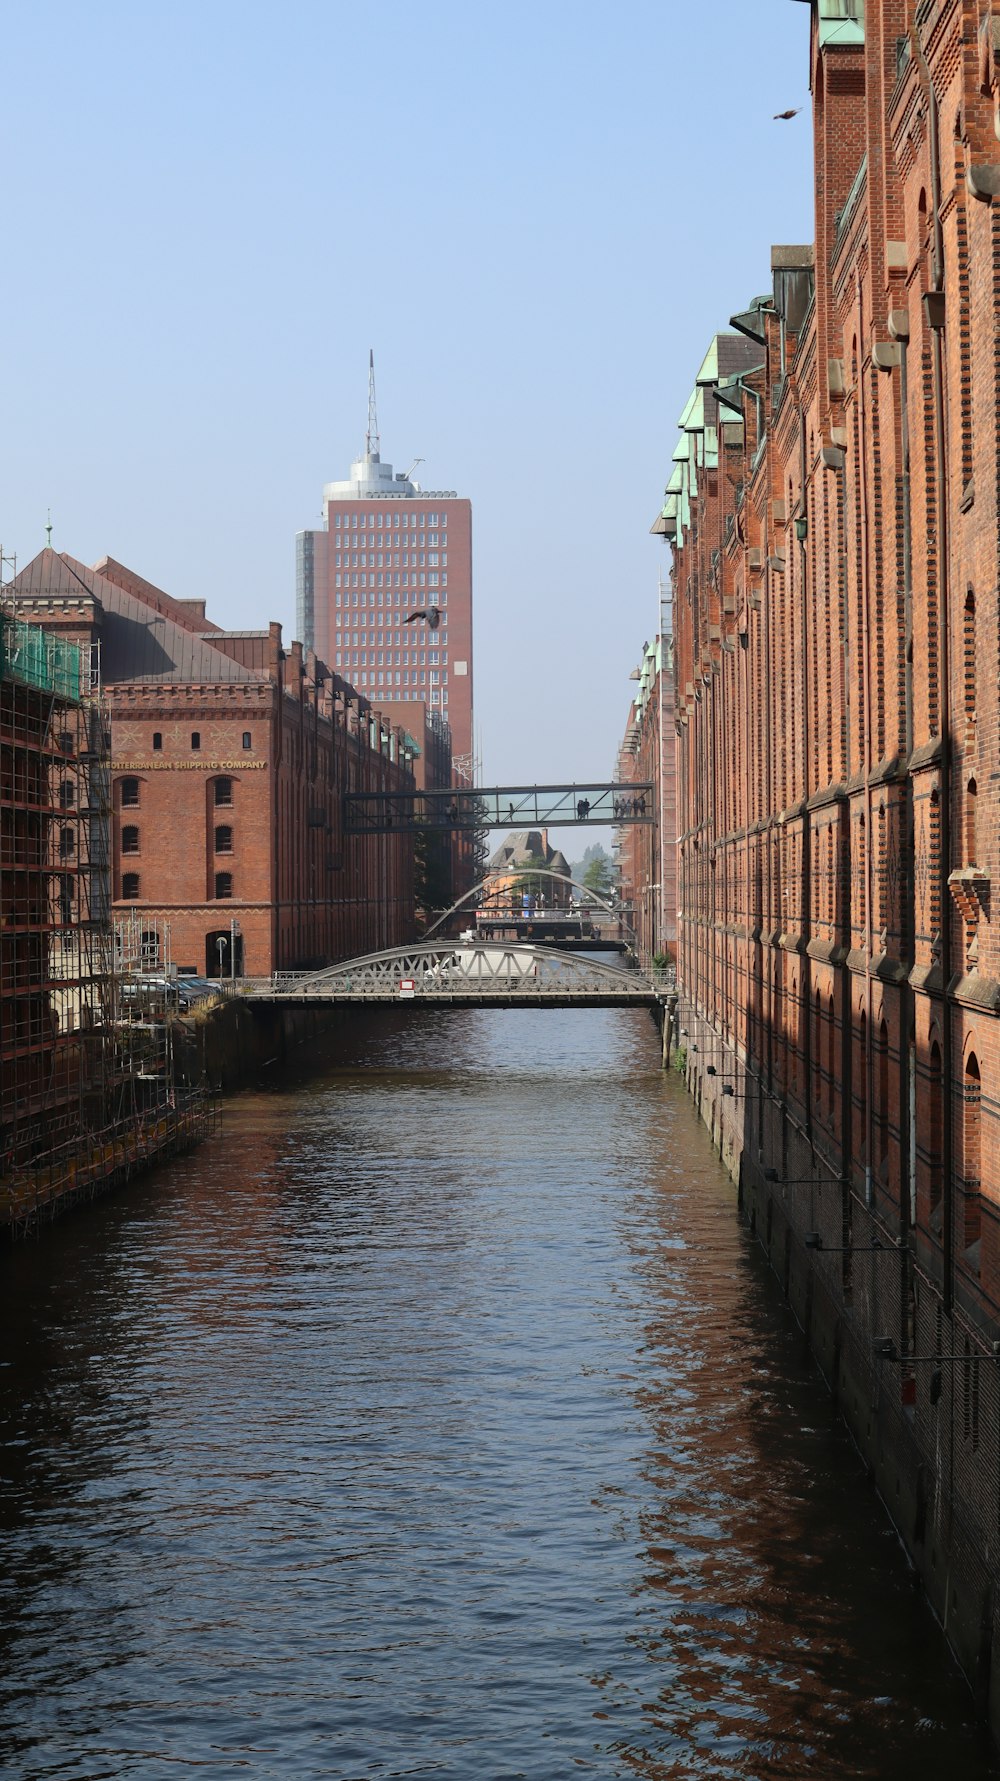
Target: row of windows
x=348 y=658
x=386 y=639
x=130 y=792
x=388 y=658
x=196 y=740
x=131 y=888
x=412 y=559
x=369 y=677
x=414 y=578
x=131 y=841
x=392 y=519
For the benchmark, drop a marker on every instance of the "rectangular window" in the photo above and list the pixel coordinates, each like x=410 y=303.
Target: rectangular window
x=223 y=884
x=130 y=886
x=157 y=741
x=195 y=739
x=247 y=739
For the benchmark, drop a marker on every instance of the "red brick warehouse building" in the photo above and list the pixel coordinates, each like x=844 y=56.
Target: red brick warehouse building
x=230 y=760
x=389 y=549
x=833 y=510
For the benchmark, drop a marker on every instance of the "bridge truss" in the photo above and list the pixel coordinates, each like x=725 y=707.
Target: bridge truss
x=475 y=975
x=499 y=807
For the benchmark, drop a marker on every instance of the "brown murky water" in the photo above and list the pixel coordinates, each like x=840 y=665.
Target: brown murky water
x=438 y=1419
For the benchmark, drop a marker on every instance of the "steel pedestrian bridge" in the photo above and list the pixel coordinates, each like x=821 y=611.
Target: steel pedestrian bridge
x=500 y=807
x=470 y=975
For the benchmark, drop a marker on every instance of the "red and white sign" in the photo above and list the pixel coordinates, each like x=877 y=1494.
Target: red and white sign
x=407 y=986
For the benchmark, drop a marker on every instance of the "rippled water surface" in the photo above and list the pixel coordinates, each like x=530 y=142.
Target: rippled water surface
x=437 y=1419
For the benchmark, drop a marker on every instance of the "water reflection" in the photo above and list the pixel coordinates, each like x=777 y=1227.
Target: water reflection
x=436 y=1419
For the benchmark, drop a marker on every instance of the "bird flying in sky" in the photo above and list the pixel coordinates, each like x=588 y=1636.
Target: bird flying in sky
x=787 y=114
x=431 y=615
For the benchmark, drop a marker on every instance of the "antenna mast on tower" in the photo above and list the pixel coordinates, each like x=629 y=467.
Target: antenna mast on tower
x=372 y=443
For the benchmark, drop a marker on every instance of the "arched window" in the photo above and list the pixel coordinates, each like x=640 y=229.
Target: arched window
x=67 y=794
x=971 y=843
x=130 y=886
x=195 y=739
x=223 y=791
x=157 y=741
x=934 y=874
x=130 y=838
x=130 y=794
x=971 y=1151
x=223 y=838
x=831 y=1069
x=67 y=843
x=223 y=884
x=247 y=739
x=969 y=665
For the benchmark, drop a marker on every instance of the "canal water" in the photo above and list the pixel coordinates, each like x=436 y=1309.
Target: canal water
x=438 y=1419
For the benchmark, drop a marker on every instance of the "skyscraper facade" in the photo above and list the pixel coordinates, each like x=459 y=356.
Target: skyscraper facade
x=384 y=590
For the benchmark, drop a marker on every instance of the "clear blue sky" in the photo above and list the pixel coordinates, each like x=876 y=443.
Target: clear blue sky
x=537 y=214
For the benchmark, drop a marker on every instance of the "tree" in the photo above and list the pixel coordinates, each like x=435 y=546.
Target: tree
x=599 y=874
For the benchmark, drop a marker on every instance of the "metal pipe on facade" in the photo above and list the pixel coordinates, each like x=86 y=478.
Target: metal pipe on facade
x=864 y=656
x=805 y=876
x=944 y=682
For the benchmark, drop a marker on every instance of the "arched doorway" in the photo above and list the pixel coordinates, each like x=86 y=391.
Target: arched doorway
x=218 y=953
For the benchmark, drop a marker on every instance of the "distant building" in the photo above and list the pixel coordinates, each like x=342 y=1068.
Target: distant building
x=387 y=550
x=523 y=852
x=230 y=760
x=647 y=854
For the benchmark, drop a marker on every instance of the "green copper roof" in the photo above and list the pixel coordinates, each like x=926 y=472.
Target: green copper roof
x=688 y=411
x=841 y=24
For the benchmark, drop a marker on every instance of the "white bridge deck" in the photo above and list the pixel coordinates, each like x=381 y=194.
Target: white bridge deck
x=470 y=975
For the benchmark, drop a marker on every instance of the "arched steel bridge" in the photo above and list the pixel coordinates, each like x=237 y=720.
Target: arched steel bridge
x=448 y=973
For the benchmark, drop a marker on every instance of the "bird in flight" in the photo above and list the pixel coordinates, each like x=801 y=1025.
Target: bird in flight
x=787 y=114
x=431 y=616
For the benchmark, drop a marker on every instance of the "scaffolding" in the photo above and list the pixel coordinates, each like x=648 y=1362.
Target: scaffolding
x=71 y=1105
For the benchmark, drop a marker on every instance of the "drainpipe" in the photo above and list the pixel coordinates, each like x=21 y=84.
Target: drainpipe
x=906 y=998
x=866 y=742
x=805 y=876
x=935 y=319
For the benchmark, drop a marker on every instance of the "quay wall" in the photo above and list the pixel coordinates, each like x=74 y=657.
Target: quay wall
x=928 y=1433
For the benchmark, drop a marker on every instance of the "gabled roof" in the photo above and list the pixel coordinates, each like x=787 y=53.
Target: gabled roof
x=189 y=614
x=138 y=643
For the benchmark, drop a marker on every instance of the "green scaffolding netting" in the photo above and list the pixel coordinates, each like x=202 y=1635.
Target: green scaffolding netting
x=29 y=654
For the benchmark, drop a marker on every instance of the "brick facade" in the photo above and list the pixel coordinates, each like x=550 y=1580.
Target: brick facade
x=230 y=760
x=647 y=856
x=834 y=515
